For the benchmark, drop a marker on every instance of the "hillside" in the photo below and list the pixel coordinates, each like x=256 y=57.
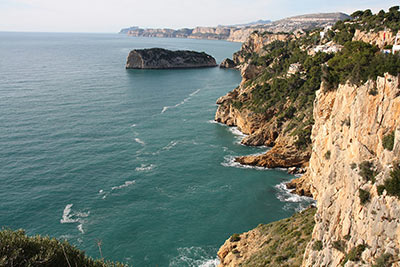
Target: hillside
x=327 y=101
x=280 y=75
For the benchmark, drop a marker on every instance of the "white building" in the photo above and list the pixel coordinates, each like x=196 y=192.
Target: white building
x=396 y=46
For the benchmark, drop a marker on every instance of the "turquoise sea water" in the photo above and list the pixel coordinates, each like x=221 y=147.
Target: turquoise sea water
x=90 y=151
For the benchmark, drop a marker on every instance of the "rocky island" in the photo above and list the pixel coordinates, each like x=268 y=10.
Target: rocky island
x=159 y=58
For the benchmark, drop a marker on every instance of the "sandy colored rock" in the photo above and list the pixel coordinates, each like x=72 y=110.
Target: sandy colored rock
x=350 y=124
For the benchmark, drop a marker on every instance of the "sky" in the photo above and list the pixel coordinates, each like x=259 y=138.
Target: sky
x=112 y=15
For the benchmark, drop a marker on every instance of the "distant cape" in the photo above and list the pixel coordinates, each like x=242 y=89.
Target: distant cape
x=240 y=32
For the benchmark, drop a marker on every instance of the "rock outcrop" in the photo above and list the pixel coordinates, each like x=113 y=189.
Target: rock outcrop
x=380 y=38
x=355 y=223
x=255 y=44
x=227 y=64
x=158 y=58
x=261 y=128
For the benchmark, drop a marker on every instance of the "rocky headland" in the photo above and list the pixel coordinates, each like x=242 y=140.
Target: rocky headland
x=335 y=114
x=240 y=33
x=158 y=58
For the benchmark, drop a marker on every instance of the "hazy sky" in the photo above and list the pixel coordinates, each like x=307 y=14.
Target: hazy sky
x=111 y=15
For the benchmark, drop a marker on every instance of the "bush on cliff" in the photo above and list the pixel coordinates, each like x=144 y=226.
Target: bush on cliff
x=388 y=141
x=367 y=171
x=17 y=249
x=392 y=184
x=364 y=196
x=358 y=62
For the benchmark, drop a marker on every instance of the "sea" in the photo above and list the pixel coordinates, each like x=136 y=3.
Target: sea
x=128 y=160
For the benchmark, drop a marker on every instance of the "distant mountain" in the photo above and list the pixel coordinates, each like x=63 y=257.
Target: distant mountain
x=240 y=32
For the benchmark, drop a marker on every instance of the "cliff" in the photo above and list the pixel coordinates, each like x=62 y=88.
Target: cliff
x=264 y=126
x=353 y=170
x=350 y=126
x=158 y=58
x=240 y=33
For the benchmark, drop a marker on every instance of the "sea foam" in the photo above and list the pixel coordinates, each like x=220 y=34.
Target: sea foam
x=145 y=167
x=194 y=257
x=69 y=216
x=180 y=103
x=294 y=201
x=137 y=140
x=229 y=161
x=126 y=184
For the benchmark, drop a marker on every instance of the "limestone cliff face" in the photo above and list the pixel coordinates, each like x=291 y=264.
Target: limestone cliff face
x=380 y=39
x=158 y=58
x=350 y=123
x=255 y=43
x=261 y=128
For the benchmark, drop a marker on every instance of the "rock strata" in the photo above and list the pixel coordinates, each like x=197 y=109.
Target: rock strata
x=158 y=58
x=350 y=124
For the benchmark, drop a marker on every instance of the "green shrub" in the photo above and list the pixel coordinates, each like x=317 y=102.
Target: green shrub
x=353 y=166
x=354 y=254
x=281 y=258
x=364 y=196
x=380 y=188
x=366 y=171
x=392 y=184
x=385 y=260
x=388 y=141
x=237 y=104
x=17 y=249
x=346 y=122
x=339 y=245
x=304 y=139
x=373 y=91
x=327 y=155
x=317 y=245
x=235 y=238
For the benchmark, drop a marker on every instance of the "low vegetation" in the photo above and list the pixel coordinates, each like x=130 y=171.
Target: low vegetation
x=17 y=249
x=367 y=171
x=286 y=241
x=392 y=184
x=388 y=141
x=384 y=260
x=235 y=238
x=339 y=245
x=354 y=254
x=364 y=196
x=317 y=245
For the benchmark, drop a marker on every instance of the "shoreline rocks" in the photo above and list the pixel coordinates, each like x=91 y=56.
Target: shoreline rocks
x=159 y=58
x=227 y=63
